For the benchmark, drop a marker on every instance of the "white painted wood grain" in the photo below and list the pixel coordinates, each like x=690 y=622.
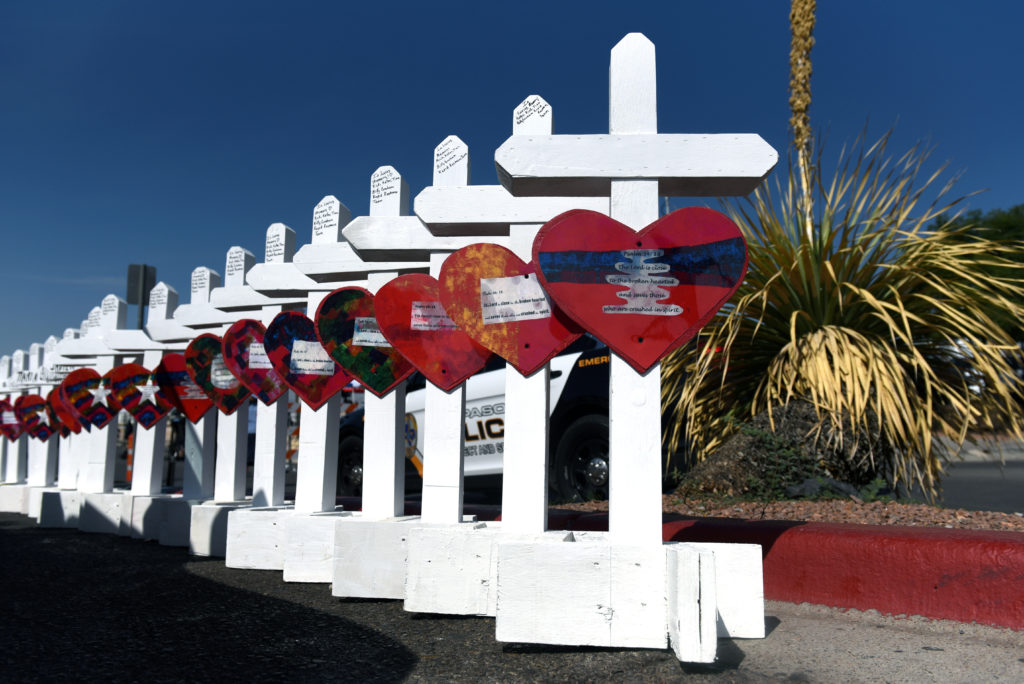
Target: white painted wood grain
x=309 y=546
x=407 y=241
x=692 y=602
x=489 y=209
x=268 y=470
x=316 y=480
x=370 y=557
x=451 y=570
x=232 y=452
x=443 y=440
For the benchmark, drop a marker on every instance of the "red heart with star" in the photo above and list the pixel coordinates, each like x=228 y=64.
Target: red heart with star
x=204 y=361
x=497 y=299
x=135 y=390
x=31 y=412
x=412 y=318
x=301 y=361
x=179 y=388
x=642 y=293
x=346 y=323
x=88 y=397
x=246 y=357
x=9 y=425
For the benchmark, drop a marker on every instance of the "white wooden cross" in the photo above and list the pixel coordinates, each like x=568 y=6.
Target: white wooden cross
x=42 y=456
x=635 y=164
x=491 y=210
x=238 y=295
x=17 y=453
x=5 y=444
x=627 y=588
x=201 y=438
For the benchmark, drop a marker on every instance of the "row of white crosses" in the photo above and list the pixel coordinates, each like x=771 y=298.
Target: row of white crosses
x=620 y=174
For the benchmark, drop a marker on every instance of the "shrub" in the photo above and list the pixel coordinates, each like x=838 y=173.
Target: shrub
x=882 y=324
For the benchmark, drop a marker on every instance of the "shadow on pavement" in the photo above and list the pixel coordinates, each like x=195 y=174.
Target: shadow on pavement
x=102 y=608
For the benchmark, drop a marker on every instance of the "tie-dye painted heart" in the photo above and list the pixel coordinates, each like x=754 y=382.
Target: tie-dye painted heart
x=134 y=388
x=204 y=361
x=86 y=395
x=498 y=300
x=9 y=425
x=346 y=324
x=301 y=361
x=179 y=388
x=59 y=418
x=31 y=412
x=246 y=357
x=411 y=316
x=641 y=293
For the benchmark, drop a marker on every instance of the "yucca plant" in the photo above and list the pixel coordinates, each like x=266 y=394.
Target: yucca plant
x=884 y=325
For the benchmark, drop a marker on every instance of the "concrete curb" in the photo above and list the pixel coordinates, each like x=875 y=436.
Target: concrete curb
x=962 y=575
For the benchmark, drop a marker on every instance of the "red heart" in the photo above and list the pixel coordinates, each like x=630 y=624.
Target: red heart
x=138 y=393
x=179 y=387
x=301 y=360
x=9 y=425
x=31 y=412
x=413 y=320
x=204 y=361
x=60 y=418
x=519 y=323
x=246 y=357
x=346 y=323
x=88 y=397
x=641 y=293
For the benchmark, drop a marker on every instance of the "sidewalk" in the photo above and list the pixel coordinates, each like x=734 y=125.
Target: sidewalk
x=101 y=608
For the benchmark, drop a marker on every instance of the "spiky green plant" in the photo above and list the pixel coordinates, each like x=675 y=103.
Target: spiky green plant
x=881 y=323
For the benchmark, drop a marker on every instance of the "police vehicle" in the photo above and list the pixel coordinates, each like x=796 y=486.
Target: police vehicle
x=578 y=451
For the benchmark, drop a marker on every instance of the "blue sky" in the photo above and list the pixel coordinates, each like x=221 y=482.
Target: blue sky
x=167 y=132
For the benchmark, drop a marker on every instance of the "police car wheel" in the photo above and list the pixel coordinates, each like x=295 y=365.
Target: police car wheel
x=579 y=468
x=350 y=466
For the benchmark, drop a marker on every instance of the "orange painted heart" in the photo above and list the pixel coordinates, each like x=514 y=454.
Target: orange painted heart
x=179 y=388
x=497 y=299
x=88 y=397
x=136 y=391
x=346 y=323
x=641 y=293
x=246 y=357
x=9 y=425
x=412 y=318
x=301 y=360
x=31 y=412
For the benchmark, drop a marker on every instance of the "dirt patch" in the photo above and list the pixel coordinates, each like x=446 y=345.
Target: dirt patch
x=835 y=511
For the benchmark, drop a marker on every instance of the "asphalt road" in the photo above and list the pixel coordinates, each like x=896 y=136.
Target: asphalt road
x=81 y=607
x=987 y=479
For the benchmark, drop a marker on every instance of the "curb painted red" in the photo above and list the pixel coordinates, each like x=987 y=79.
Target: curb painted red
x=962 y=575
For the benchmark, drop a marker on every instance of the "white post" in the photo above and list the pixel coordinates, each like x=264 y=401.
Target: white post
x=268 y=470
x=268 y=459
x=524 y=494
x=316 y=483
x=444 y=412
x=200 y=438
x=150 y=446
x=17 y=454
x=200 y=453
x=96 y=474
x=232 y=449
x=383 y=429
x=634 y=399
